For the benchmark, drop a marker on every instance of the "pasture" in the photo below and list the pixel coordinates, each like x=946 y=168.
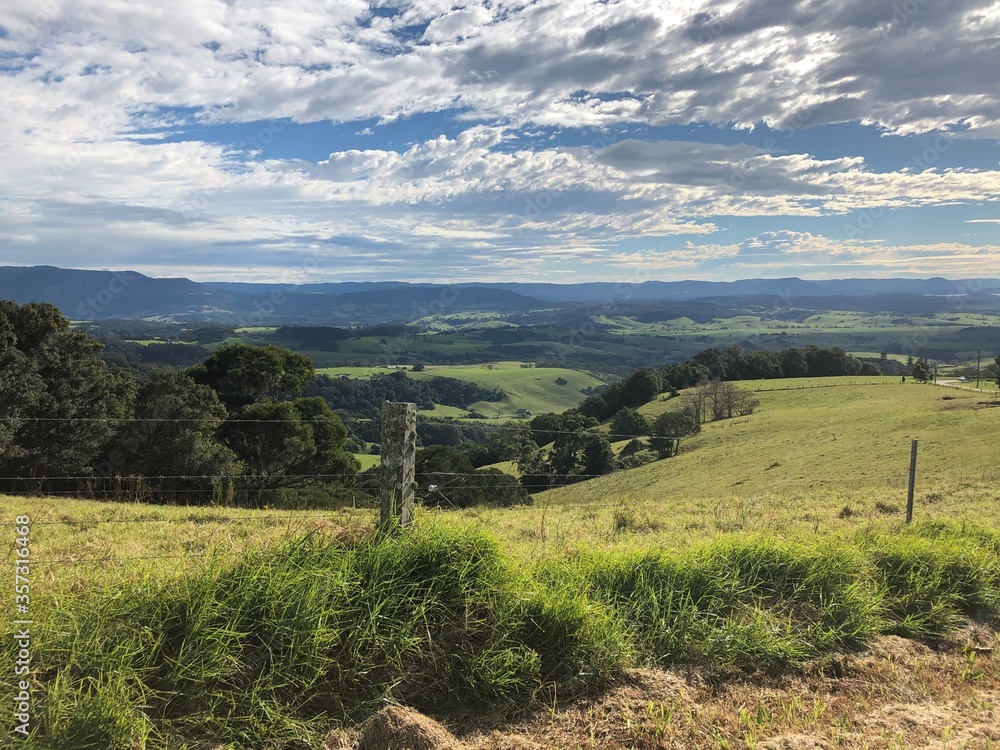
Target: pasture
x=534 y=389
x=769 y=548
x=820 y=458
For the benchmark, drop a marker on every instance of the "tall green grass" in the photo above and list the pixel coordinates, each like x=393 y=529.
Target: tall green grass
x=278 y=647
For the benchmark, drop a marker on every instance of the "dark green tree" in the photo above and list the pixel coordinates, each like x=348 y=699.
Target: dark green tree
x=456 y=484
x=173 y=442
x=598 y=457
x=596 y=407
x=639 y=388
x=761 y=365
x=71 y=398
x=243 y=375
x=20 y=384
x=794 y=363
x=668 y=428
x=565 y=457
x=289 y=444
x=629 y=423
x=545 y=427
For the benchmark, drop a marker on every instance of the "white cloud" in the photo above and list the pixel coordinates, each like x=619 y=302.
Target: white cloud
x=89 y=87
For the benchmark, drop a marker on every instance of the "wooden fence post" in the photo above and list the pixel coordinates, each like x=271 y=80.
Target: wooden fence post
x=913 y=481
x=399 y=448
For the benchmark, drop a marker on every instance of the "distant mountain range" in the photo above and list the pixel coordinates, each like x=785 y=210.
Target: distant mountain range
x=95 y=295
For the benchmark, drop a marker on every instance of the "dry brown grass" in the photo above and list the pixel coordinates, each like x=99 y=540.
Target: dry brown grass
x=899 y=695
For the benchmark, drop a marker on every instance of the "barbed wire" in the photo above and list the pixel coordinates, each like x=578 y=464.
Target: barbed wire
x=137 y=477
x=441 y=422
x=167 y=420
x=344 y=513
x=290 y=515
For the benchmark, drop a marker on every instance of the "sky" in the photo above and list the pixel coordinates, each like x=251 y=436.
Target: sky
x=560 y=141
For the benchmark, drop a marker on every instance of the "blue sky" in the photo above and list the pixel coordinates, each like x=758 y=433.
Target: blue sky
x=520 y=141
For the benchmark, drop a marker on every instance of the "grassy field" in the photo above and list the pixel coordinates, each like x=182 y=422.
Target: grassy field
x=790 y=469
x=829 y=457
x=771 y=542
x=531 y=388
x=367 y=460
x=275 y=648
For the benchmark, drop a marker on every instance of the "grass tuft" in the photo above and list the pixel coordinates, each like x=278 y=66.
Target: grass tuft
x=278 y=647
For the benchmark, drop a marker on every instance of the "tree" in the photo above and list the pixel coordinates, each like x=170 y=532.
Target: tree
x=629 y=423
x=683 y=375
x=242 y=374
x=458 y=485
x=695 y=404
x=173 y=441
x=761 y=365
x=545 y=427
x=831 y=362
x=65 y=398
x=997 y=362
x=723 y=364
x=794 y=363
x=921 y=370
x=289 y=443
x=596 y=407
x=20 y=384
x=641 y=387
x=667 y=430
x=564 y=459
x=718 y=400
x=598 y=458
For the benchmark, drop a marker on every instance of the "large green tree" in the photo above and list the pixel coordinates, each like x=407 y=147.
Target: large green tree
x=243 y=375
x=668 y=428
x=70 y=402
x=289 y=444
x=629 y=423
x=173 y=443
x=20 y=384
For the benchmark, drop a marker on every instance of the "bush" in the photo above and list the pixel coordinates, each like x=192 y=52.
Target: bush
x=747 y=604
x=932 y=576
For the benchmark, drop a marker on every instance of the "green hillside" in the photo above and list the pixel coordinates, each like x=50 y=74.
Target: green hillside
x=828 y=458
x=856 y=434
x=534 y=389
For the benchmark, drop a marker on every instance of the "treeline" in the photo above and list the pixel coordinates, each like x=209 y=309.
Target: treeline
x=233 y=429
x=363 y=398
x=647 y=383
x=579 y=451
x=326 y=338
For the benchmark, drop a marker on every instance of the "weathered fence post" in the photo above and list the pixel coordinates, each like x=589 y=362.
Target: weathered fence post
x=913 y=481
x=399 y=448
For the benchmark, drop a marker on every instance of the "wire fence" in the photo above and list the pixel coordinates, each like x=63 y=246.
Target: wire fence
x=615 y=491
x=360 y=523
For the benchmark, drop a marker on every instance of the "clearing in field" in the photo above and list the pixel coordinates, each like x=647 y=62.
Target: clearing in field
x=534 y=389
